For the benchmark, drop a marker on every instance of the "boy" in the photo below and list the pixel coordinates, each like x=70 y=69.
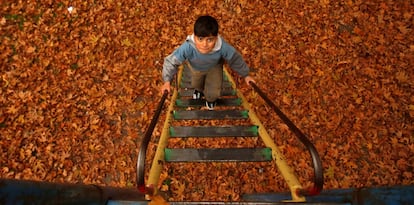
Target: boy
x=205 y=51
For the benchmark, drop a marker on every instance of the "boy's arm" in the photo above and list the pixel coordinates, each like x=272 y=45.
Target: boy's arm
x=234 y=59
x=169 y=69
x=237 y=63
x=171 y=63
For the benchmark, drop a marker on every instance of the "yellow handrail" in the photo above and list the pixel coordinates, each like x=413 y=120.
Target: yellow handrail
x=158 y=160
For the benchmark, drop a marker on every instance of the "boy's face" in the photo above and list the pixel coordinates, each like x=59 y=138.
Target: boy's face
x=205 y=44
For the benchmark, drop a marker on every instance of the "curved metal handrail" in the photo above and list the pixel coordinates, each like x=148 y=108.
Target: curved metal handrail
x=316 y=160
x=144 y=145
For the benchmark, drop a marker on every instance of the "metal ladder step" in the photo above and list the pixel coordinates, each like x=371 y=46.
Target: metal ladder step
x=218 y=155
x=199 y=103
x=187 y=84
x=207 y=114
x=186 y=76
x=214 y=131
x=187 y=79
x=188 y=92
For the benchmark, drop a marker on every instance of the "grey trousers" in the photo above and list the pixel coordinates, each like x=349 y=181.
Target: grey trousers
x=209 y=82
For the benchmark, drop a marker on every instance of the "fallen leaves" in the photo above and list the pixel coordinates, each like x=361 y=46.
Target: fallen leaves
x=158 y=200
x=79 y=86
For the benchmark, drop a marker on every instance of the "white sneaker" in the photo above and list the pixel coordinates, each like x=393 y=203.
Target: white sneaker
x=197 y=95
x=210 y=105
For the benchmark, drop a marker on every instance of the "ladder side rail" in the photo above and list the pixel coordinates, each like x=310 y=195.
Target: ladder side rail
x=158 y=159
x=285 y=170
x=144 y=144
x=316 y=160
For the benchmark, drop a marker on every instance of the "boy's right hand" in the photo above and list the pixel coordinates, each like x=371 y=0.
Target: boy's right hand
x=166 y=87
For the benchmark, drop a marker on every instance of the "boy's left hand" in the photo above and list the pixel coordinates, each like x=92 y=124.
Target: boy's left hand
x=249 y=79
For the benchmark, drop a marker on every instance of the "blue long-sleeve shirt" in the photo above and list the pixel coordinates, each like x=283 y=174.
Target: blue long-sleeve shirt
x=187 y=51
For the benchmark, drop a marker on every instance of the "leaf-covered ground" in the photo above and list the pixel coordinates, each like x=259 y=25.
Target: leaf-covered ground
x=79 y=87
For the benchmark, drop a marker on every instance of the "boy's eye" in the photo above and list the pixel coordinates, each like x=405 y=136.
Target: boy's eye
x=208 y=39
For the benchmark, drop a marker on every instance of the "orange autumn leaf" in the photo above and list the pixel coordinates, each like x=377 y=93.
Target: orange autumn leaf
x=158 y=200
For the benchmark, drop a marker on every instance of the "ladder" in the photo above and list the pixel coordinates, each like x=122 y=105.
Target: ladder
x=232 y=107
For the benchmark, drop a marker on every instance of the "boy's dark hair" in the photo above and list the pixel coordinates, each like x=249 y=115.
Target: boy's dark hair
x=206 y=26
